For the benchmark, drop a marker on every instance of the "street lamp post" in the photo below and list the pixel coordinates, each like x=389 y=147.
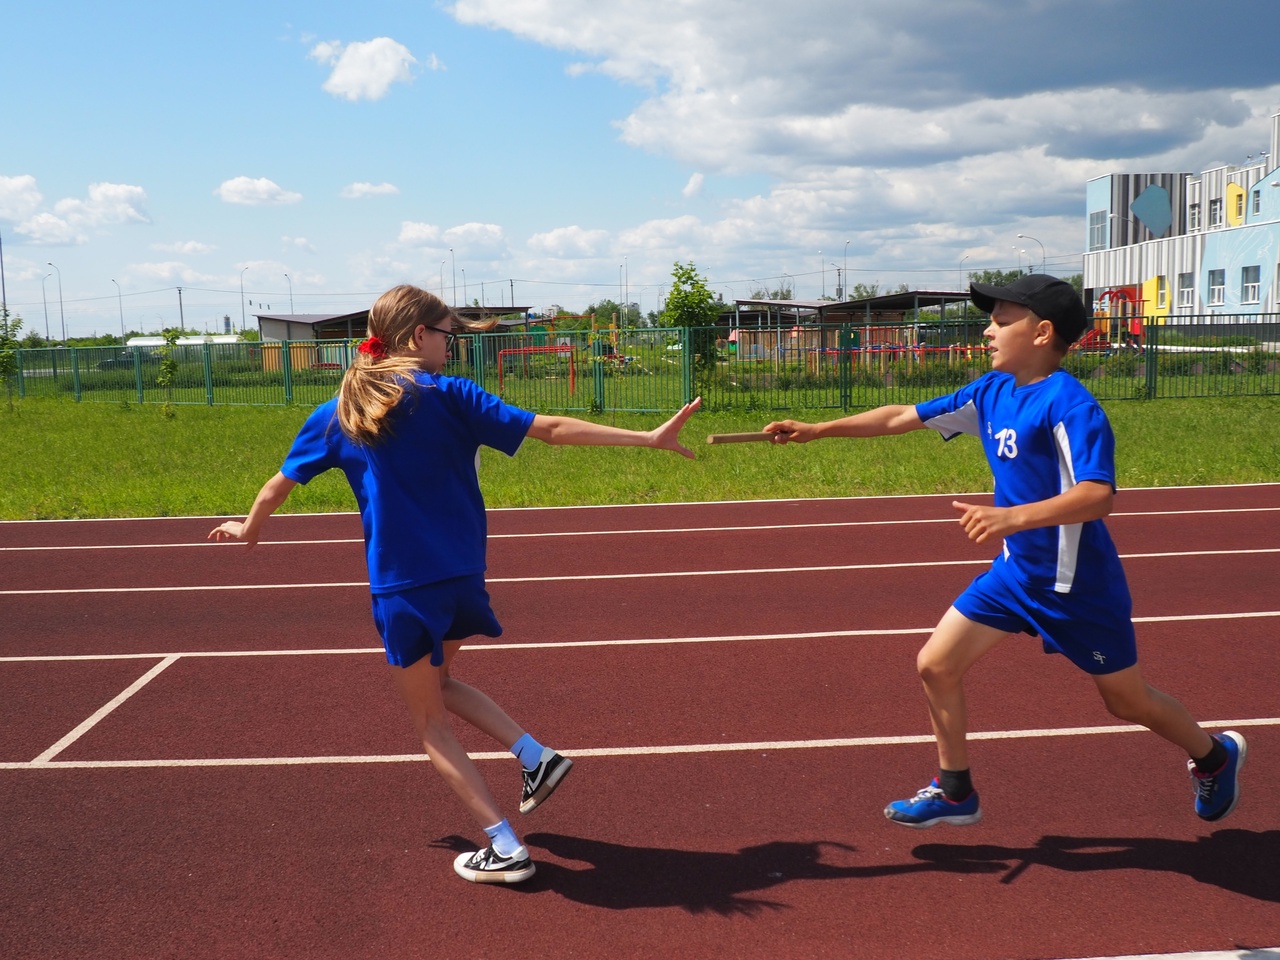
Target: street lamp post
x=61 y=312
x=120 y=304
x=1025 y=236
x=286 y=276
x=823 y=265
x=846 y=269
x=839 y=281
x=45 y=298
x=453 y=266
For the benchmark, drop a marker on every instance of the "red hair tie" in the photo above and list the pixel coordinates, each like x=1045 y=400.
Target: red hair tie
x=374 y=348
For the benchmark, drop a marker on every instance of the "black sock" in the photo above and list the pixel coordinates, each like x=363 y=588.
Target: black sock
x=1213 y=761
x=957 y=785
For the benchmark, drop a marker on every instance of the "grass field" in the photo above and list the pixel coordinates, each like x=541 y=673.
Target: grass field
x=66 y=460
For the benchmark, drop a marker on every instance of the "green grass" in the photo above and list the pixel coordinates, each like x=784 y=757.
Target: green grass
x=67 y=460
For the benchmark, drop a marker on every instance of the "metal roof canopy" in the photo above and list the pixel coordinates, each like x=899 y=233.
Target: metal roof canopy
x=844 y=311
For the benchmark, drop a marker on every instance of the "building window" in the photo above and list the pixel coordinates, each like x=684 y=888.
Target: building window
x=1250 y=284
x=1193 y=217
x=1257 y=202
x=1217 y=288
x=1238 y=214
x=1162 y=293
x=1098 y=230
x=1186 y=290
x=1215 y=213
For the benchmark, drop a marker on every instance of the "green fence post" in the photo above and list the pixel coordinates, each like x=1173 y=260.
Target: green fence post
x=137 y=374
x=844 y=364
x=75 y=373
x=286 y=367
x=1153 y=360
x=686 y=364
x=597 y=374
x=208 y=373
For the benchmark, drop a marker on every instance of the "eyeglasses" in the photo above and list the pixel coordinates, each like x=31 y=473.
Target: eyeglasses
x=450 y=338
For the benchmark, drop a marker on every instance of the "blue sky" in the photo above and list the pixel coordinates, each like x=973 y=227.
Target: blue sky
x=567 y=150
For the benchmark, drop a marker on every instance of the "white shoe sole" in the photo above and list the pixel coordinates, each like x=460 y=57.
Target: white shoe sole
x=547 y=787
x=491 y=876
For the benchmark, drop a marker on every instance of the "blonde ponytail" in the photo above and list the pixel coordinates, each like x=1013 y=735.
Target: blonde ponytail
x=377 y=380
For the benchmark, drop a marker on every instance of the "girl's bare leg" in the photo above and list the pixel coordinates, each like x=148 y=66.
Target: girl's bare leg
x=420 y=686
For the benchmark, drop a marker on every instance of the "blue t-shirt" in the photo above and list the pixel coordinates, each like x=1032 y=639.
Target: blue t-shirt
x=1040 y=440
x=417 y=490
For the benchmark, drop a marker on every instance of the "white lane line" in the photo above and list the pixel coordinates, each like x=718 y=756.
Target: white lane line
x=1249 y=953
x=741 y=528
x=646 y=751
x=658 y=575
x=1217 y=487
x=571 y=644
x=106 y=709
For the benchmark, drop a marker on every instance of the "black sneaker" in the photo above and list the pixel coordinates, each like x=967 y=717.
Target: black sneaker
x=541 y=781
x=488 y=866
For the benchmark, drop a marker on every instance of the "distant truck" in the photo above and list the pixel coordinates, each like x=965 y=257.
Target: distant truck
x=127 y=359
x=147 y=349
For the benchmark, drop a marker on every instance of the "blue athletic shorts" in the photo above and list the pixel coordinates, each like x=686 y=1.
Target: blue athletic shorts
x=416 y=622
x=1096 y=634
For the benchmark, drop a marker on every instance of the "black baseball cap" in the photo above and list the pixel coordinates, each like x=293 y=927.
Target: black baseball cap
x=1047 y=297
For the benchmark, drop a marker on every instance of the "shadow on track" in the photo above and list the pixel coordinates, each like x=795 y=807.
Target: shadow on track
x=1240 y=861
x=619 y=877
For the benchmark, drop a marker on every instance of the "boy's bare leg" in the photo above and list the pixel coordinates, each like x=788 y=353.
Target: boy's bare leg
x=956 y=645
x=1128 y=697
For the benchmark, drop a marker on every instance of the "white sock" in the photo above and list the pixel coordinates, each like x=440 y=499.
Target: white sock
x=504 y=839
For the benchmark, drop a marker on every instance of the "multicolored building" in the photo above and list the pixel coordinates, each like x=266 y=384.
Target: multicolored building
x=1185 y=249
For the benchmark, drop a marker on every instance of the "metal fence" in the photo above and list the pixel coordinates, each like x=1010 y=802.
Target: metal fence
x=657 y=369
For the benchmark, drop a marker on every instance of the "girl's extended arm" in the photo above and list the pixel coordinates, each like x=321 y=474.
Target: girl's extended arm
x=582 y=433
x=273 y=493
x=880 y=422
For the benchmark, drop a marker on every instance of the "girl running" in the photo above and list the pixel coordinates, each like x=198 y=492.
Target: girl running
x=408 y=440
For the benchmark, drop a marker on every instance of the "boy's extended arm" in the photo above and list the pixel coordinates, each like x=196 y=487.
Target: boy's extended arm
x=880 y=422
x=1087 y=500
x=273 y=493
x=570 y=431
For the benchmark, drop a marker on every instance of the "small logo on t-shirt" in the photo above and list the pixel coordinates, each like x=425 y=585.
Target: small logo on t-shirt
x=1099 y=657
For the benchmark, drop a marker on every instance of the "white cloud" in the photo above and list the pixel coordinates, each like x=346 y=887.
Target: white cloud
x=693 y=187
x=364 y=70
x=19 y=197
x=73 y=218
x=418 y=234
x=478 y=241
x=249 y=192
x=298 y=243
x=569 y=243
x=360 y=190
x=187 y=247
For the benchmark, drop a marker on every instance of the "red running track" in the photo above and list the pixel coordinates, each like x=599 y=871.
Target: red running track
x=201 y=755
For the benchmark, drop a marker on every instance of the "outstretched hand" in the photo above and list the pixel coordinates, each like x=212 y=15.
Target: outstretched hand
x=667 y=436
x=232 y=530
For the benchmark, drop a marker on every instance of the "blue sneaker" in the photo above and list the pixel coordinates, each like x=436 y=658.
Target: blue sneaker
x=1218 y=793
x=930 y=806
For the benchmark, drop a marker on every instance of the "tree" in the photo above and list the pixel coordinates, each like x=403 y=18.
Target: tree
x=864 y=291
x=995 y=278
x=10 y=325
x=168 y=371
x=692 y=305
